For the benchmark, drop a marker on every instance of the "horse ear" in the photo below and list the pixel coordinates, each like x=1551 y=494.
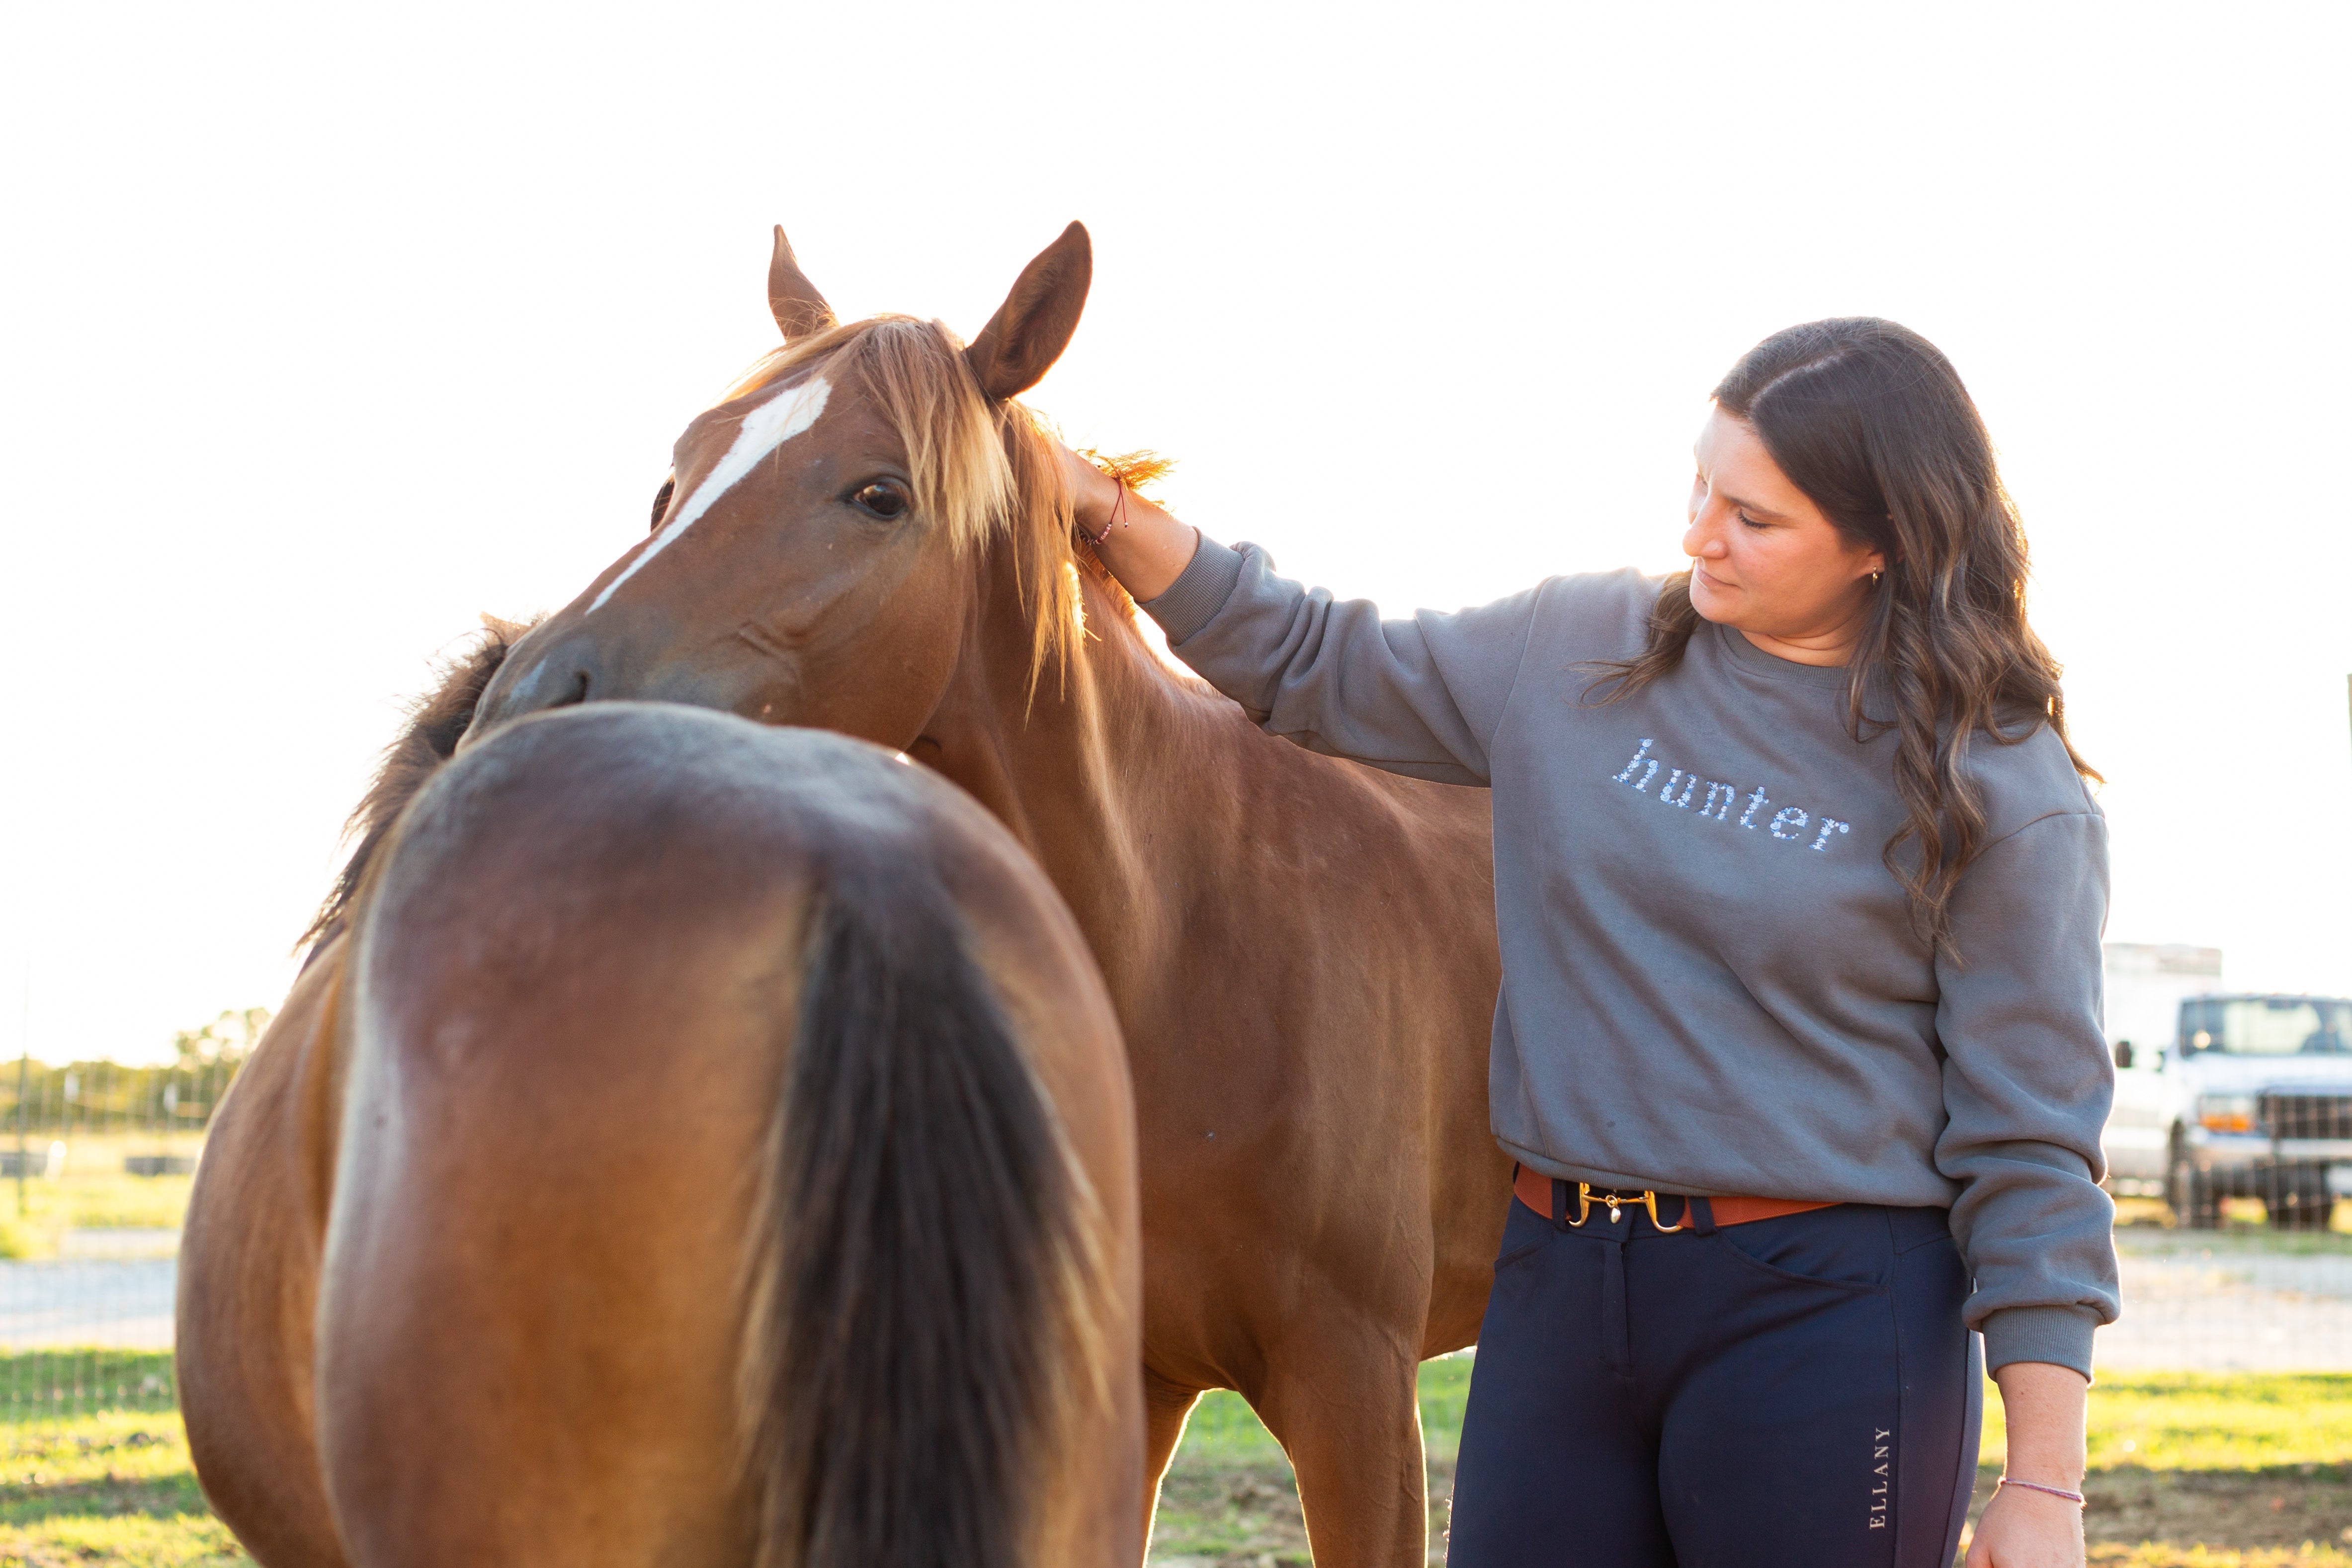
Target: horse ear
x=798 y=308
x=1034 y=324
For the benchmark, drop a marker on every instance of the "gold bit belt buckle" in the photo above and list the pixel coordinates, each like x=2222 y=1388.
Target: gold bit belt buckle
x=1616 y=1202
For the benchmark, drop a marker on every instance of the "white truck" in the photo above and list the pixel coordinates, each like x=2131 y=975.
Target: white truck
x=2222 y=1094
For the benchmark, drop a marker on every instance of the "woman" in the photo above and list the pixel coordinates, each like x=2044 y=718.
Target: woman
x=1799 y=1049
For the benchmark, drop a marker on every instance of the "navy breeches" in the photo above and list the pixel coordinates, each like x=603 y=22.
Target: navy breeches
x=1792 y=1391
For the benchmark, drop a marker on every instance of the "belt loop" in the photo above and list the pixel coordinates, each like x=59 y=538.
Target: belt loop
x=1700 y=1214
x=1558 y=1204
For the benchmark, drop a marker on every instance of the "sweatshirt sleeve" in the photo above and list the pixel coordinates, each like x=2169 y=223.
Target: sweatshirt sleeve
x=2027 y=1087
x=1420 y=697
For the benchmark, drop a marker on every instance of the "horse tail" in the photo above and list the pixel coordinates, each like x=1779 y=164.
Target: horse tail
x=924 y=1275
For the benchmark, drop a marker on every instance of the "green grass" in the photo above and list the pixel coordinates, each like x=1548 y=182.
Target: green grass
x=1224 y=1432
x=2212 y=1469
x=109 y=1200
x=45 y=1385
x=2168 y=1421
x=1229 y=1498
x=94 y=1465
x=2258 y=1465
x=2209 y=1421
x=112 y=1488
x=94 y=1194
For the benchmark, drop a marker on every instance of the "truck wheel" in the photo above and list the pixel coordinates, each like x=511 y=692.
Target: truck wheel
x=2298 y=1199
x=2195 y=1204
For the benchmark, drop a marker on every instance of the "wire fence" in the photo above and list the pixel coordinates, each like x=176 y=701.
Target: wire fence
x=86 y=1313
x=58 y=1384
x=96 y=1161
x=104 y=1099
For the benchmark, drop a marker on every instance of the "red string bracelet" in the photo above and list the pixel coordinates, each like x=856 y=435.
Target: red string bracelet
x=1117 y=516
x=2072 y=1497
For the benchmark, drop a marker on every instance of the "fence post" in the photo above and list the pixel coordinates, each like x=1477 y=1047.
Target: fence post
x=24 y=1059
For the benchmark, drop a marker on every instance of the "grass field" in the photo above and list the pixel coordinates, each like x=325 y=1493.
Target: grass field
x=107 y=1487
x=93 y=1194
x=2187 y=1471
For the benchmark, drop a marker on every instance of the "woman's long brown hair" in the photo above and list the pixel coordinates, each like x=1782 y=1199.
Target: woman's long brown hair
x=1872 y=423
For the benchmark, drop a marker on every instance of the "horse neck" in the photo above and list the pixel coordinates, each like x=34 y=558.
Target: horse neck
x=1091 y=769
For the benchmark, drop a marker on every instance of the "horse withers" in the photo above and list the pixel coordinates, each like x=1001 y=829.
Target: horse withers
x=872 y=535
x=703 y=1144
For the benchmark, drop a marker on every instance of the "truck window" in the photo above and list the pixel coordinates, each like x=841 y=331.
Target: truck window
x=2267 y=1026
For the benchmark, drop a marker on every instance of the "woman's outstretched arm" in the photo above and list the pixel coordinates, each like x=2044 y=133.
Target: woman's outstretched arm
x=1419 y=695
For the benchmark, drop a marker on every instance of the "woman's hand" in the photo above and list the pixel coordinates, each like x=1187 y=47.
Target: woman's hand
x=2020 y=1528
x=1145 y=548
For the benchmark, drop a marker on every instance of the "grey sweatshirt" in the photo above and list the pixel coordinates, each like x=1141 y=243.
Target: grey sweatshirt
x=1711 y=983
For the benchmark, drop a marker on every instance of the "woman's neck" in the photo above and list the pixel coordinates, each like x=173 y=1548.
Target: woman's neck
x=1824 y=645
x=1827 y=649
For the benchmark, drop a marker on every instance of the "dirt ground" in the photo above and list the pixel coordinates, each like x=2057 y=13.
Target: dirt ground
x=2233 y=1509
x=1248 y=1517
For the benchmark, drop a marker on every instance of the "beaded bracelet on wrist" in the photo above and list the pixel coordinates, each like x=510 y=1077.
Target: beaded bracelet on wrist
x=1118 y=517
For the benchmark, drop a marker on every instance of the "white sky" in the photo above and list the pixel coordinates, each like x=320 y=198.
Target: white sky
x=329 y=327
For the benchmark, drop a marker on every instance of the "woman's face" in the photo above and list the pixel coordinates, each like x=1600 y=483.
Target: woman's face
x=1764 y=561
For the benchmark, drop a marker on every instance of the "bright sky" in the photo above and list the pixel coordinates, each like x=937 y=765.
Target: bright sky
x=330 y=327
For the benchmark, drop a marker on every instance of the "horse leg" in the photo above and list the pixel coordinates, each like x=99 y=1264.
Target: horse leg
x=249 y=1283
x=1166 y=1407
x=1343 y=1401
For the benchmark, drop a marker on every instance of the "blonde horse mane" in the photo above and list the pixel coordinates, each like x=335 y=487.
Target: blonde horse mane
x=981 y=471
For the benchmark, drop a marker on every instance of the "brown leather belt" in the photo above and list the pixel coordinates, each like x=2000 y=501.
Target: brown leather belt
x=1534 y=1190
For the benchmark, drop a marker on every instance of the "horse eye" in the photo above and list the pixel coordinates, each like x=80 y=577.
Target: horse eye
x=661 y=499
x=885 y=499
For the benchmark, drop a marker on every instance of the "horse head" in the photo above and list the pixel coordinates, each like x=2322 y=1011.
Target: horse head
x=821 y=549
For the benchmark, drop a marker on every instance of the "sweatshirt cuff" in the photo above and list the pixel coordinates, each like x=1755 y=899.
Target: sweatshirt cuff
x=1192 y=601
x=2061 y=1335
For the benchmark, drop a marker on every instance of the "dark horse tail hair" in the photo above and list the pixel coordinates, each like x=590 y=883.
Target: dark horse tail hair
x=926 y=1274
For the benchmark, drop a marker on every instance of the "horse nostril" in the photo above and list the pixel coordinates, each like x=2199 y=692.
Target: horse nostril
x=577 y=693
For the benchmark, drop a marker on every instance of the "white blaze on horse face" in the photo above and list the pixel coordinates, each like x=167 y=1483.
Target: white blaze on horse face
x=763 y=430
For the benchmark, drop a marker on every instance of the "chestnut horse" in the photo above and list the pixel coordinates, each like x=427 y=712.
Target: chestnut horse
x=871 y=536
x=699 y=1144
